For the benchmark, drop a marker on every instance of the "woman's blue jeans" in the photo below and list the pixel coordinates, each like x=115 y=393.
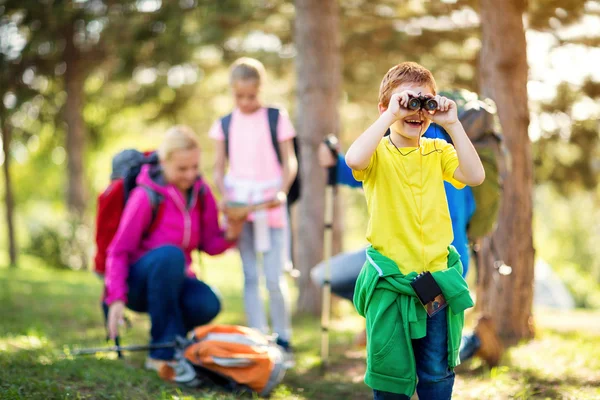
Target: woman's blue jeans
x=175 y=302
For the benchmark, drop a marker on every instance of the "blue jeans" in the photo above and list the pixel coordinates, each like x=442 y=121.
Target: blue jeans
x=176 y=303
x=435 y=378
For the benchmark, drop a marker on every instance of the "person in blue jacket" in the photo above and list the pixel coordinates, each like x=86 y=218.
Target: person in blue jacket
x=345 y=267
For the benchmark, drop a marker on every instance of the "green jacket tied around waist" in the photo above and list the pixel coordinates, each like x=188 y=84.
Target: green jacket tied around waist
x=395 y=316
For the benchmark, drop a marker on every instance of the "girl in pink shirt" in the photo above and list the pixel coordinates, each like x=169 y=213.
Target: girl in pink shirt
x=255 y=175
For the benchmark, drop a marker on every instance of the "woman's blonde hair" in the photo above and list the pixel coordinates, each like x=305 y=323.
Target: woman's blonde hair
x=247 y=68
x=178 y=137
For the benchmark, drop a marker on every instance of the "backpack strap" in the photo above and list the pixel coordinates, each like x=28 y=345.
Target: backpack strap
x=155 y=202
x=273 y=114
x=200 y=196
x=225 y=124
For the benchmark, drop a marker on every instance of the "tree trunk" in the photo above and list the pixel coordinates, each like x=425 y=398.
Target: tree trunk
x=8 y=193
x=318 y=86
x=508 y=297
x=74 y=80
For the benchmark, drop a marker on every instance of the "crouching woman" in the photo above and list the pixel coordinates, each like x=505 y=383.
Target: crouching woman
x=169 y=214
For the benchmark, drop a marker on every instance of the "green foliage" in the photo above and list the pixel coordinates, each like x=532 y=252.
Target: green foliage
x=565 y=236
x=63 y=243
x=566 y=153
x=551 y=14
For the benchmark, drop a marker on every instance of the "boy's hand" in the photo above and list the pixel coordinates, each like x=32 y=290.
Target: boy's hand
x=446 y=114
x=398 y=106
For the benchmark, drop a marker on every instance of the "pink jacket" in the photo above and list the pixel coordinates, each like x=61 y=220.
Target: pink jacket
x=187 y=227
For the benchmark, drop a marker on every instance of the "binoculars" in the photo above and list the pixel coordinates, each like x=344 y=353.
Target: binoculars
x=422 y=102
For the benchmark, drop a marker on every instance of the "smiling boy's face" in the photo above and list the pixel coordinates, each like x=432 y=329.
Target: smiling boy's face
x=416 y=123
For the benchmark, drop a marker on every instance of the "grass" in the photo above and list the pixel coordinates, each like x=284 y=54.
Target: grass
x=46 y=313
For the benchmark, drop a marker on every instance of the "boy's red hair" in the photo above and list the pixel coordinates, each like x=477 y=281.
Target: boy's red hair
x=406 y=72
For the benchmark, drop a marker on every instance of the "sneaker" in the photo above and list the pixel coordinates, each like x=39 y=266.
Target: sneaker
x=491 y=349
x=288 y=353
x=154 y=364
x=289 y=361
x=179 y=371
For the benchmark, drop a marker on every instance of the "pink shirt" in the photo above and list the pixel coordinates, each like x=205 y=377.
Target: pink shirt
x=251 y=153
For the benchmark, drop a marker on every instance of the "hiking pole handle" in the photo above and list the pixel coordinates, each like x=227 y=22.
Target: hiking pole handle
x=110 y=349
x=332 y=143
x=332 y=175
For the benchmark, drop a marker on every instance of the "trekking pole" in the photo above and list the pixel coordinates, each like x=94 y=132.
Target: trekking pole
x=110 y=349
x=330 y=191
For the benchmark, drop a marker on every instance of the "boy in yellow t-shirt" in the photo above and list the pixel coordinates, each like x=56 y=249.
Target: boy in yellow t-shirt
x=403 y=178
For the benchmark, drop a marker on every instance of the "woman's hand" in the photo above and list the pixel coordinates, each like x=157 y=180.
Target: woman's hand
x=115 y=318
x=234 y=229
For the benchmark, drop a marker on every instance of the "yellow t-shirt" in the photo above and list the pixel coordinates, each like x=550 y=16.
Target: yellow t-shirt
x=409 y=218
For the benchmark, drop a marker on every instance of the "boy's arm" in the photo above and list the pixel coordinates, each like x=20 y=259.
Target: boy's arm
x=360 y=152
x=470 y=170
x=289 y=164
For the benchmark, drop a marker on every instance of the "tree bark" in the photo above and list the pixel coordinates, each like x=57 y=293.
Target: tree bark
x=318 y=87
x=74 y=81
x=508 y=298
x=8 y=193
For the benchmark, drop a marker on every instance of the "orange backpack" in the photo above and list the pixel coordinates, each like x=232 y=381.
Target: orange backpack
x=234 y=357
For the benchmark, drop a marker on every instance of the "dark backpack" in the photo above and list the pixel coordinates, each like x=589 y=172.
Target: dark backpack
x=480 y=120
x=126 y=166
x=273 y=115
